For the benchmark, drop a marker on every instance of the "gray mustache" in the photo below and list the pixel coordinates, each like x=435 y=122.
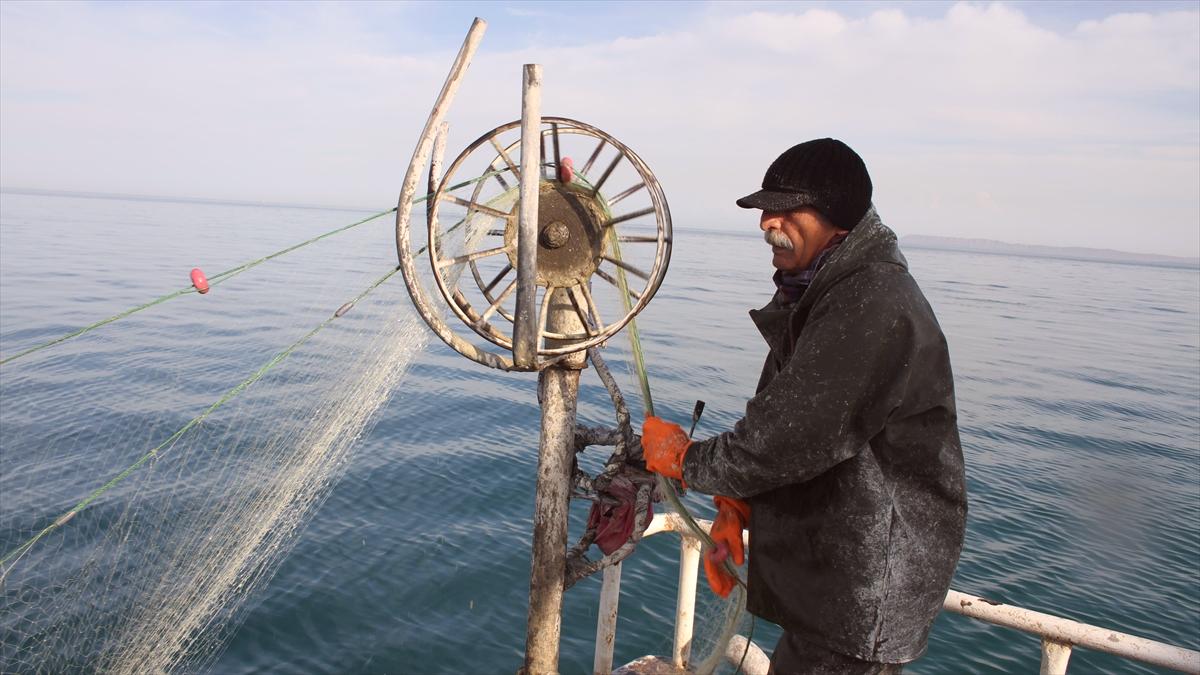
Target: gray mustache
x=777 y=238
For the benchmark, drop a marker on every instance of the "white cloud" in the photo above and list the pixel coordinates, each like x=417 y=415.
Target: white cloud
x=788 y=33
x=1071 y=135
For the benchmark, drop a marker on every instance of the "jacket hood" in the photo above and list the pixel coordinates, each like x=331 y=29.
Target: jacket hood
x=869 y=242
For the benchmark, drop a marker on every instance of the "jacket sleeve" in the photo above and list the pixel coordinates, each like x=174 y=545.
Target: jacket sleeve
x=848 y=371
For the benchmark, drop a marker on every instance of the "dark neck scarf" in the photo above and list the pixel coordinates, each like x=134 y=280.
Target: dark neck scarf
x=792 y=285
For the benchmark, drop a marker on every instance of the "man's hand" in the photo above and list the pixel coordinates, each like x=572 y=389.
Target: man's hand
x=732 y=516
x=663 y=446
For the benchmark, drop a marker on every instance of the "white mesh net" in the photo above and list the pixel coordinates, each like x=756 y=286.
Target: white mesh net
x=154 y=474
x=131 y=547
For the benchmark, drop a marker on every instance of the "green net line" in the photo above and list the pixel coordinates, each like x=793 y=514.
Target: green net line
x=665 y=486
x=12 y=557
x=230 y=273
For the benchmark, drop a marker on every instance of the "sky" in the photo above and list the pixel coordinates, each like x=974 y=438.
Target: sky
x=1054 y=123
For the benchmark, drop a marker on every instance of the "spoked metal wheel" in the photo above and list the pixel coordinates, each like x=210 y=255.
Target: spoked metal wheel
x=603 y=236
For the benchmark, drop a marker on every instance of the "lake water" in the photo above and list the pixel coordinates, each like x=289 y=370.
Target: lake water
x=1078 y=389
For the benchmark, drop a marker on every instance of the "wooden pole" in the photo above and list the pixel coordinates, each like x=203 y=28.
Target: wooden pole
x=525 y=327
x=558 y=387
x=425 y=143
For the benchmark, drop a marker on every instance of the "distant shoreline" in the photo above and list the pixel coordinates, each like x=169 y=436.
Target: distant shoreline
x=993 y=247
x=1077 y=253
x=917 y=241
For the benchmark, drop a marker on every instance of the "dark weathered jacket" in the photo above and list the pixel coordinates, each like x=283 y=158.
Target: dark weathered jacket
x=849 y=457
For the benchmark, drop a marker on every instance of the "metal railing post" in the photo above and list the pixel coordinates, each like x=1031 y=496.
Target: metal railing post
x=606 y=621
x=1055 y=656
x=1059 y=635
x=685 y=603
x=1064 y=631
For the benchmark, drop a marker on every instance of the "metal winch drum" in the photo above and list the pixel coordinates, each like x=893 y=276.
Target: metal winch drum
x=603 y=243
x=544 y=237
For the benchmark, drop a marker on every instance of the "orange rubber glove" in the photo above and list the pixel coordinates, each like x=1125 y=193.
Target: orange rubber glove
x=732 y=517
x=663 y=446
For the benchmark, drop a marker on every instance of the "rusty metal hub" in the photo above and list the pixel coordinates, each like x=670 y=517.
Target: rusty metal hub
x=570 y=234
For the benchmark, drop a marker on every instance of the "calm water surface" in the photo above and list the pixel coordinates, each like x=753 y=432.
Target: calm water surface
x=1078 y=389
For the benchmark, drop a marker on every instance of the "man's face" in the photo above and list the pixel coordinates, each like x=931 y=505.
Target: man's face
x=796 y=237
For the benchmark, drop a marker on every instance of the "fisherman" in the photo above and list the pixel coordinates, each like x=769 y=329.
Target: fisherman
x=847 y=466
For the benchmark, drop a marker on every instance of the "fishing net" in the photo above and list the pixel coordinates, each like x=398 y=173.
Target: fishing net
x=163 y=487
x=155 y=471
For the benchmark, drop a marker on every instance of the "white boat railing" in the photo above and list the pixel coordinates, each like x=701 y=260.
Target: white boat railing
x=1059 y=636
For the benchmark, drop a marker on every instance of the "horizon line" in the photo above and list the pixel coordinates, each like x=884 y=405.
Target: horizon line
x=86 y=194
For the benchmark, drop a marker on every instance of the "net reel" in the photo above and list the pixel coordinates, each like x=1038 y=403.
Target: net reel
x=603 y=243
x=540 y=262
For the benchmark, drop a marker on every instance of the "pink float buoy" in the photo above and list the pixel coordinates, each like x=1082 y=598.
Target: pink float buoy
x=566 y=170
x=199 y=280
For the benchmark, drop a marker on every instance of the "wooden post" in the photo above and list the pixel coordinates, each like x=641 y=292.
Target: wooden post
x=425 y=144
x=558 y=386
x=525 y=327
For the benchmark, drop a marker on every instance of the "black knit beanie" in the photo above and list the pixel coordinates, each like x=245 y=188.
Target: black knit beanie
x=824 y=174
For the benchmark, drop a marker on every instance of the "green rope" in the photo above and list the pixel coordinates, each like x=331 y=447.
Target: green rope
x=635 y=339
x=216 y=279
x=232 y=272
x=746 y=651
x=100 y=323
x=16 y=553
x=665 y=487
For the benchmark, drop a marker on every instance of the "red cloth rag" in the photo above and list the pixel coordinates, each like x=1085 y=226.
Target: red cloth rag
x=614 y=522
